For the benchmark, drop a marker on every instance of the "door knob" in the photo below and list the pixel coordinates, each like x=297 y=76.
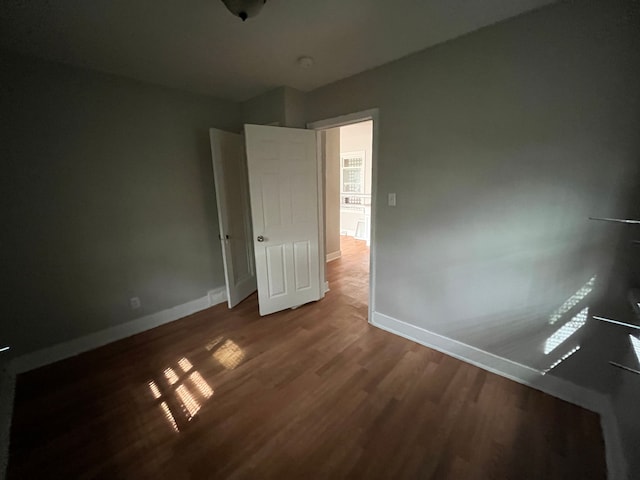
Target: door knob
x=260 y=238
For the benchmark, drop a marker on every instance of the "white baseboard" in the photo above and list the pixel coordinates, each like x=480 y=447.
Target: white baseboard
x=83 y=344
x=554 y=386
x=217 y=296
x=334 y=255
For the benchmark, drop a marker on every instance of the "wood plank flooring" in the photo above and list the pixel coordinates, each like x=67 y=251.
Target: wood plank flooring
x=309 y=393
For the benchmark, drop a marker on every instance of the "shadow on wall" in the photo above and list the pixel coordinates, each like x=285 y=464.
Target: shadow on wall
x=113 y=199
x=623 y=295
x=596 y=336
x=581 y=344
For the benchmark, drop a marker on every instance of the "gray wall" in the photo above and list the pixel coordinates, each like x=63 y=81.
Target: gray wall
x=499 y=145
x=266 y=109
x=107 y=193
x=282 y=106
x=295 y=108
x=332 y=190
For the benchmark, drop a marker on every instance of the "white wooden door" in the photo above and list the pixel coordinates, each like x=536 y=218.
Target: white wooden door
x=234 y=214
x=283 y=182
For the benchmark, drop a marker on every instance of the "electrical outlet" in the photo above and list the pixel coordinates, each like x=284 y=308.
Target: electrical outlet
x=392 y=200
x=135 y=303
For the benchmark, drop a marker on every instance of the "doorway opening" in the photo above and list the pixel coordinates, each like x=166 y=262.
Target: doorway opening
x=289 y=192
x=354 y=170
x=347 y=149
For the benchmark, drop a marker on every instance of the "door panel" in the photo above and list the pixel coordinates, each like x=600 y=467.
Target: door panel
x=276 y=273
x=234 y=214
x=302 y=265
x=283 y=184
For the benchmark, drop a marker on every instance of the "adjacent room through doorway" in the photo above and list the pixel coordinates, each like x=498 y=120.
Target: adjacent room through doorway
x=348 y=157
x=355 y=180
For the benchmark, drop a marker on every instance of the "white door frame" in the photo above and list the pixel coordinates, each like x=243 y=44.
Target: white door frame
x=357 y=117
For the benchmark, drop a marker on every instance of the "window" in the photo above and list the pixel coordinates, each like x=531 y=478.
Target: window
x=352 y=172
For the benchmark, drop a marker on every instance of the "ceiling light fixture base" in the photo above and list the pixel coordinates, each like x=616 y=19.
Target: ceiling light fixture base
x=244 y=8
x=305 y=62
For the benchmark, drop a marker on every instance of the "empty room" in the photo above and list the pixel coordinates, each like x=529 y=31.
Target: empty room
x=248 y=239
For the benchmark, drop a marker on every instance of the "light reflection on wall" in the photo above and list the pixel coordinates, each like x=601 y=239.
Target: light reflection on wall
x=567 y=330
x=635 y=343
x=560 y=360
x=229 y=354
x=573 y=300
x=181 y=396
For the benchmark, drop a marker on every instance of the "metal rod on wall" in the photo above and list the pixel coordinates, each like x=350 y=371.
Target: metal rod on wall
x=624 y=367
x=616 y=322
x=616 y=220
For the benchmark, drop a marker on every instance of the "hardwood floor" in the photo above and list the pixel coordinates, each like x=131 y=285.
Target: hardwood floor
x=311 y=393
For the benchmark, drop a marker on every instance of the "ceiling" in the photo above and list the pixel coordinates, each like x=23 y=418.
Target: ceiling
x=198 y=46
